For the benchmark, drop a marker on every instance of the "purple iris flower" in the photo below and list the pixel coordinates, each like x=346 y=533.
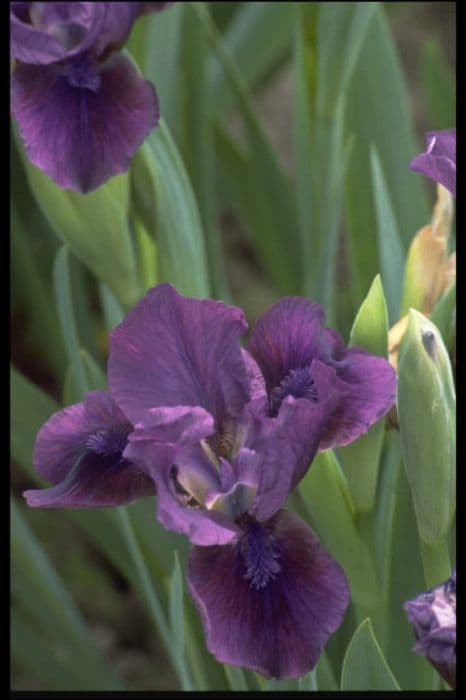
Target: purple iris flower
x=268 y=594
x=81 y=106
x=80 y=450
x=298 y=355
x=439 y=161
x=433 y=617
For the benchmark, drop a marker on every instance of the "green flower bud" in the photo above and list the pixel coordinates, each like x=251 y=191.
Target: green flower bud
x=427 y=410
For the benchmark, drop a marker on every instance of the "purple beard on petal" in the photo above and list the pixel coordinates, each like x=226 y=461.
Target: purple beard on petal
x=83 y=73
x=79 y=449
x=297 y=383
x=270 y=600
x=259 y=552
x=109 y=441
x=301 y=358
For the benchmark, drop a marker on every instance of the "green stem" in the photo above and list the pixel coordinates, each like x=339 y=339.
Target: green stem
x=153 y=602
x=366 y=528
x=435 y=562
x=379 y=614
x=235 y=677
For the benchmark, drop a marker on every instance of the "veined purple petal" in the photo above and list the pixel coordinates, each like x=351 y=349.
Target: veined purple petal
x=270 y=600
x=286 y=337
x=82 y=123
x=62 y=438
x=168 y=433
x=47 y=32
x=167 y=450
x=293 y=350
x=80 y=450
x=368 y=390
x=95 y=480
x=171 y=350
x=439 y=161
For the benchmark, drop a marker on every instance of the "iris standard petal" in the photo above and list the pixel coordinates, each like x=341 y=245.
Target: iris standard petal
x=439 y=161
x=286 y=337
x=367 y=387
x=81 y=122
x=80 y=450
x=287 y=452
x=170 y=432
x=270 y=600
x=171 y=350
x=164 y=448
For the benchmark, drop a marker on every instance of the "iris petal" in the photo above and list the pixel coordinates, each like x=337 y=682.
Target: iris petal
x=159 y=447
x=368 y=389
x=286 y=337
x=79 y=449
x=171 y=350
x=40 y=43
x=95 y=481
x=82 y=123
x=62 y=439
x=300 y=358
x=280 y=628
x=439 y=161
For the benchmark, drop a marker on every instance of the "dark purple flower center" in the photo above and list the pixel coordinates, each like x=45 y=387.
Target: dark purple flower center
x=259 y=552
x=109 y=441
x=297 y=383
x=83 y=73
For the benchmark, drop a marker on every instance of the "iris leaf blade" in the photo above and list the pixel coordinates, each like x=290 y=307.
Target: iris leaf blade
x=258 y=37
x=332 y=514
x=196 y=140
x=64 y=302
x=389 y=126
x=390 y=247
x=94 y=226
x=174 y=215
x=364 y=665
x=270 y=187
x=360 y=459
x=52 y=606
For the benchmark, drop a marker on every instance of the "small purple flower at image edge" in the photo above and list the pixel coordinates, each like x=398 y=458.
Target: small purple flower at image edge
x=438 y=162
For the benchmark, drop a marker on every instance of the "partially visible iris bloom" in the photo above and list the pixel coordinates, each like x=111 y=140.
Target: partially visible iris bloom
x=439 y=161
x=433 y=618
x=81 y=106
x=80 y=450
x=224 y=434
x=268 y=594
x=296 y=354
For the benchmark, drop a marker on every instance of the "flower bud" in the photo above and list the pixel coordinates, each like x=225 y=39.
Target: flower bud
x=433 y=618
x=426 y=410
